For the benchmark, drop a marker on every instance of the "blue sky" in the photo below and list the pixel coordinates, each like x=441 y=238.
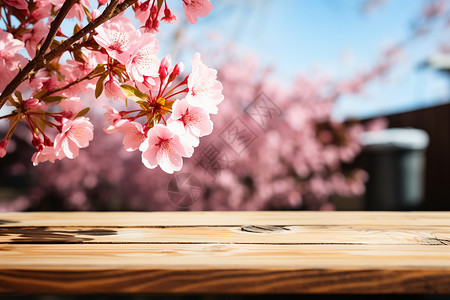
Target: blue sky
x=334 y=36
x=330 y=35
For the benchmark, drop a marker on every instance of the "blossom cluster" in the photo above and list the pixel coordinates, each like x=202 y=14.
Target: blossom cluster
x=163 y=114
x=299 y=161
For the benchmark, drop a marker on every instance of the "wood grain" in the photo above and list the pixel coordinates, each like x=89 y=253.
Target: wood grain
x=225 y=253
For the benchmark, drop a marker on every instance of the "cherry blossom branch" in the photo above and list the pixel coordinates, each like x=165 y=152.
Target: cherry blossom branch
x=112 y=10
x=87 y=77
x=38 y=61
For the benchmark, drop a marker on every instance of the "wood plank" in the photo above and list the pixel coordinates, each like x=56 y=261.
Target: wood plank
x=233 y=252
x=224 y=281
x=147 y=219
x=311 y=234
x=224 y=269
x=224 y=256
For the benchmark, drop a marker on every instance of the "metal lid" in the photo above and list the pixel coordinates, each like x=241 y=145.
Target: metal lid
x=400 y=138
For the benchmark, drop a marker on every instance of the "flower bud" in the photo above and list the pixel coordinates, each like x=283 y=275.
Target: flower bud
x=47 y=141
x=144 y=6
x=36 y=142
x=164 y=67
x=177 y=70
x=95 y=13
x=102 y=2
x=3 y=145
x=32 y=103
x=155 y=24
x=154 y=12
x=168 y=16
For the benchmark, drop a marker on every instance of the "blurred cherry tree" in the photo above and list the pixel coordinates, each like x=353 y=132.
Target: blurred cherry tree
x=275 y=145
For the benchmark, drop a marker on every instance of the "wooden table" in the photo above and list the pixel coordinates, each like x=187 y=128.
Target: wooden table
x=225 y=252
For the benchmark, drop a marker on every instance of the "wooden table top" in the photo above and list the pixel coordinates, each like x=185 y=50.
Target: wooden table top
x=225 y=252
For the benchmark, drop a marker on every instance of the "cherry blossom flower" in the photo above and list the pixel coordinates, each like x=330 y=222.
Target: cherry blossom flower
x=164 y=148
x=74 y=69
x=10 y=59
x=19 y=4
x=169 y=17
x=196 y=8
x=77 y=10
x=204 y=89
x=190 y=120
x=133 y=133
x=112 y=116
x=47 y=153
x=118 y=36
x=112 y=90
x=144 y=62
x=142 y=12
x=71 y=107
x=75 y=134
x=34 y=37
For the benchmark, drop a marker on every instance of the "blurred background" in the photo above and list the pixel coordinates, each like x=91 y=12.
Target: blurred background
x=329 y=105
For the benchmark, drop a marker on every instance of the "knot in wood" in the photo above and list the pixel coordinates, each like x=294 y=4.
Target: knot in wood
x=263 y=228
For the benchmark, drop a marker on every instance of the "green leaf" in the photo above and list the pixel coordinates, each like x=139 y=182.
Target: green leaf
x=39 y=94
x=76 y=28
x=99 y=85
x=88 y=13
x=40 y=123
x=54 y=44
x=53 y=99
x=48 y=123
x=18 y=96
x=83 y=112
x=133 y=93
x=79 y=56
x=100 y=68
x=14 y=101
x=143 y=103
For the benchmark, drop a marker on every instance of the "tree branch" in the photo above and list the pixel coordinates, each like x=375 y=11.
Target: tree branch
x=87 y=77
x=112 y=10
x=38 y=60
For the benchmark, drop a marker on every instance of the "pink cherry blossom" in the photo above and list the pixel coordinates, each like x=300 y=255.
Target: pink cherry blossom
x=117 y=125
x=196 y=8
x=47 y=153
x=74 y=69
x=95 y=13
x=34 y=37
x=149 y=83
x=143 y=11
x=113 y=90
x=164 y=67
x=169 y=17
x=118 y=36
x=75 y=134
x=204 y=89
x=133 y=133
x=43 y=9
x=190 y=120
x=10 y=59
x=71 y=107
x=19 y=4
x=112 y=116
x=144 y=62
x=77 y=10
x=164 y=148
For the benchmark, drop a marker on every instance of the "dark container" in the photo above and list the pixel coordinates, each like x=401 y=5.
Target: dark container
x=395 y=161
